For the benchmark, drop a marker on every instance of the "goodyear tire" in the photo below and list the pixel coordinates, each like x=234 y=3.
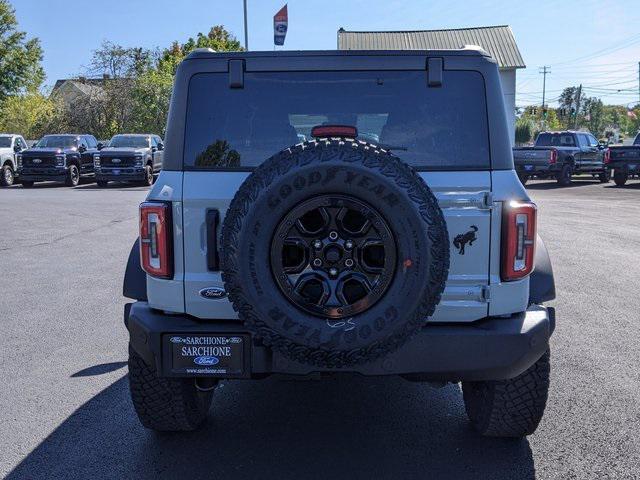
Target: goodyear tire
x=166 y=404
x=385 y=186
x=509 y=408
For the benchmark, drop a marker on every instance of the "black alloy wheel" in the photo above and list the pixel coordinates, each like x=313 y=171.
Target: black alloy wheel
x=333 y=256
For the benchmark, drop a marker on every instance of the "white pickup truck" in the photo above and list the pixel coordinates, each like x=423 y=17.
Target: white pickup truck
x=9 y=146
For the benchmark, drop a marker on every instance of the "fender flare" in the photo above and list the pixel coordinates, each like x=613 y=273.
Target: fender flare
x=135 y=279
x=542 y=287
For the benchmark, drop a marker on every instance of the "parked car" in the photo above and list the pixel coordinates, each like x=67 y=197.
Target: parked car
x=625 y=161
x=411 y=256
x=10 y=146
x=561 y=155
x=129 y=158
x=61 y=157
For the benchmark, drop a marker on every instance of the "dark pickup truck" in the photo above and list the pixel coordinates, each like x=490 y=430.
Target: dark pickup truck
x=63 y=158
x=625 y=161
x=129 y=158
x=561 y=155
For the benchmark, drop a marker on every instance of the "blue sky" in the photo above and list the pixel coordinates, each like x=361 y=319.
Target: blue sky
x=596 y=43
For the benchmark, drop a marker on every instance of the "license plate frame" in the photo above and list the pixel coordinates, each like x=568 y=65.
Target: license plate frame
x=115 y=172
x=217 y=355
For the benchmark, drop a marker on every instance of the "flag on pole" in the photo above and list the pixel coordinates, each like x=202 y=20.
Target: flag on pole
x=280 y=24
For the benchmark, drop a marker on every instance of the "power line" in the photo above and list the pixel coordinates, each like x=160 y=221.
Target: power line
x=622 y=44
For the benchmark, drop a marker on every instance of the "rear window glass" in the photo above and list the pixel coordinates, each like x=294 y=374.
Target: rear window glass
x=430 y=128
x=555 y=140
x=5 y=142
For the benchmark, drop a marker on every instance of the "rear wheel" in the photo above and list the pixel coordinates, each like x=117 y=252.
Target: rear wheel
x=564 y=176
x=7 y=178
x=605 y=177
x=166 y=404
x=620 y=177
x=73 y=176
x=509 y=408
x=27 y=183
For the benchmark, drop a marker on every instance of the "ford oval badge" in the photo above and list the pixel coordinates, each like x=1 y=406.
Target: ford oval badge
x=213 y=293
x=206 y=360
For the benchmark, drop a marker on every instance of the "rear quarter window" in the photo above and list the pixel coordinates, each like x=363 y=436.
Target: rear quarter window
x=430 y=128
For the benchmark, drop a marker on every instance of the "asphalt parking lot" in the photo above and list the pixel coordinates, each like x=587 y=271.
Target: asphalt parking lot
x=64 y=398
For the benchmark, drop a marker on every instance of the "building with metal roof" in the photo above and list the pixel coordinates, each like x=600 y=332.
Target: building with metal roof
x=498 y=41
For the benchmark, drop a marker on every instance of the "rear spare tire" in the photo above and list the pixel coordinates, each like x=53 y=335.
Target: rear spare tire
x=335 y=252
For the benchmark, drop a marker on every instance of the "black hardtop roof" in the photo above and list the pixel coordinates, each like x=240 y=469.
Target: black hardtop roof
x=207 y=53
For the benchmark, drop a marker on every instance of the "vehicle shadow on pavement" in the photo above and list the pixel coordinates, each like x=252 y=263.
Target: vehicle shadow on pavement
x=335 y=428
x=99 y=369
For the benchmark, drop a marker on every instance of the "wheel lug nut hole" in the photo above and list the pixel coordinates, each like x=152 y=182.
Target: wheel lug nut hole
x=333 y=235
x=348 y=262
x=317 y=262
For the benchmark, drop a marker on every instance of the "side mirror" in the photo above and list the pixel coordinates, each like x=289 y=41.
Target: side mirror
x=82 y=149
x=17 y=148
x=154 y=148
x=100 y=146
x=160 y=146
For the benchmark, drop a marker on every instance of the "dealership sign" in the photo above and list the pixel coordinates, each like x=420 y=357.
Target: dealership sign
x=280 y=25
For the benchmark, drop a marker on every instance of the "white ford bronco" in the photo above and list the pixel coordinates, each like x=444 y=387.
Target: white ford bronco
x=321 y=213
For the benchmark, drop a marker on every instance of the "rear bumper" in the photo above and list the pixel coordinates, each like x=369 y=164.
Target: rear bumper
x=490 y=349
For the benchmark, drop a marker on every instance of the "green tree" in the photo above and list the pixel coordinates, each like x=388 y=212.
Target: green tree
x=152 y=91
x=593 y=115
x=524 y=130
x=20 y=68
x=32 y=115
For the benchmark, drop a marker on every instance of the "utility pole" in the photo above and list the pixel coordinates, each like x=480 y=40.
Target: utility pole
x=544 y=72
x=246 y=31
x=575 y=118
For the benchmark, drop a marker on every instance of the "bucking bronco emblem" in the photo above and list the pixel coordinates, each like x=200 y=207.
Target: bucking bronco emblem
x=461 y=240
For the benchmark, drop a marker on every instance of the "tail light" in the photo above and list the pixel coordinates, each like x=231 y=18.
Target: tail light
x=156 y=241
x=554 y=156
x=607 y=156
x=518 y=240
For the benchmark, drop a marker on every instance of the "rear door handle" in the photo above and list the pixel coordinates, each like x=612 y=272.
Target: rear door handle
x=212 y=220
